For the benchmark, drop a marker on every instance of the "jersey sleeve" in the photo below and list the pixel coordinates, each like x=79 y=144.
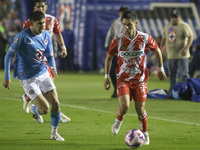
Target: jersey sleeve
x=56 y=28
x=26 y=24
x=187 y=31
x=49 y=53
x=113 y=48
x=151 y=44
x=9 y=55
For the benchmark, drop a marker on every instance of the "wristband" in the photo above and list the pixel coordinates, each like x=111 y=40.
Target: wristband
x=161 y=69
x=106 y=76
x=63 y=47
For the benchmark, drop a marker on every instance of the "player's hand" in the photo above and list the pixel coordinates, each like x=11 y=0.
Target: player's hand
x=107 y=84
x=54 y=71
x=63 y=53
x=162 y=75
x=7 y=83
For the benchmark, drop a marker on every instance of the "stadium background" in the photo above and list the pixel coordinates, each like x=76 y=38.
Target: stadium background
x=91 y=20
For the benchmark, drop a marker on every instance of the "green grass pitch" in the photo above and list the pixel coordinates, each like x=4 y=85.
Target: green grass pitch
x=173 y=124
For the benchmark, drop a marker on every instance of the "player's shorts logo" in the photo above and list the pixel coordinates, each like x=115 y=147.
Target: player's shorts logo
x=31 y=92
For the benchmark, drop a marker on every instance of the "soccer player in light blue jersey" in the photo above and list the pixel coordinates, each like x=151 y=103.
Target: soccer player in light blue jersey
x=30 y=46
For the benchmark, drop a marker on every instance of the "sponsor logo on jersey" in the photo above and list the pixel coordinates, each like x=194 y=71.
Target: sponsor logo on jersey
x=131 y=54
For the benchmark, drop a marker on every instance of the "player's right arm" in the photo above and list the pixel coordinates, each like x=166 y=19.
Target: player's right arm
x=108 y=61
x=8 y=58
x=7 y=63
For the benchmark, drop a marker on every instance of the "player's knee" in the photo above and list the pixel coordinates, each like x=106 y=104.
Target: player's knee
x=125 y=108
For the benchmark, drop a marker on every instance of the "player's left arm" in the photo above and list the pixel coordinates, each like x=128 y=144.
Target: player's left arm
x=61 y=42
x=50 y=57
x=161 y=73
x=59 y=38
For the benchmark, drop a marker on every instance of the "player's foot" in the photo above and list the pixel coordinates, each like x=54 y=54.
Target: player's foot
x=26 y=104
x=64 y=119
x=37 y=118
x=146 y=138
x=116 y=126
x=57 y=137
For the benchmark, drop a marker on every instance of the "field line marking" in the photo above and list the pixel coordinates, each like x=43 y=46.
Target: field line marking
x=110 y=112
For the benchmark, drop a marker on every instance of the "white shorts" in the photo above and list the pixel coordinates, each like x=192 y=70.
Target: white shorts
x=35 y=86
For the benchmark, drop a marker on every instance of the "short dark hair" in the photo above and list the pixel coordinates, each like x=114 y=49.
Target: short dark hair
x=36 y=15
x=123 y=9
x=129 y=15
x=37 y=1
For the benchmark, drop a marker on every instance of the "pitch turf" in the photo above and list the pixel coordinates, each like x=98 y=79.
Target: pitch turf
x=173 y=124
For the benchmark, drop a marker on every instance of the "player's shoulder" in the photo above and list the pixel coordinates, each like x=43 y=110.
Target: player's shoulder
x=48 y=17
x=142 y=34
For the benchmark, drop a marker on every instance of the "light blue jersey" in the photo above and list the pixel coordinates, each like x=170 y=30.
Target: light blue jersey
x=30 y=50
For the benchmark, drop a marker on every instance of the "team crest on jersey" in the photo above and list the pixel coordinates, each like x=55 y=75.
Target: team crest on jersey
x=39 y=55
x=31 y=92
x=46 y=42
x=171 y=36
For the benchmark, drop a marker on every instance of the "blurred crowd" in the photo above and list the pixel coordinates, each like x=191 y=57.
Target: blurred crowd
x=10 y=25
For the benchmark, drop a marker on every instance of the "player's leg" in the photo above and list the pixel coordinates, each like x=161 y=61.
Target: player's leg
x=55 y=114
x=41 y=107
x=140 y=94
x=63 y=118
x=124 y=102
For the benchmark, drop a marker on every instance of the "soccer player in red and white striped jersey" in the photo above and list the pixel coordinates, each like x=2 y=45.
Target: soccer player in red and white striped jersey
x=132 y=72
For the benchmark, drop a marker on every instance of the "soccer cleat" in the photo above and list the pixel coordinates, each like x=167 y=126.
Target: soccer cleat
x=37 y=118
x=25 y=104
x=116 y=126
x=57 y=137
x=146 y=138
x=64 y=119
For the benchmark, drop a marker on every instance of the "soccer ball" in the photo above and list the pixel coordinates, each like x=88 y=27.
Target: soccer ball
x=134 y=138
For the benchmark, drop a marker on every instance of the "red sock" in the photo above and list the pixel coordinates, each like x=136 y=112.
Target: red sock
x=27 y=98
x=120 y=117
x=143 y=122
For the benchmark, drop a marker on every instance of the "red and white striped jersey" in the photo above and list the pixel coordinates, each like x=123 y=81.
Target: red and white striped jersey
x=52 y=25
x=131 y=56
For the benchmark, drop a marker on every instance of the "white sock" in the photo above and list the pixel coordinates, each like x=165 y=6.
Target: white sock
x=54 y=129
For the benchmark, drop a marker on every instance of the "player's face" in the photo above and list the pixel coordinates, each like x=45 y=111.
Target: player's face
x=38 y=26
x=40 y=6
x=129 y=26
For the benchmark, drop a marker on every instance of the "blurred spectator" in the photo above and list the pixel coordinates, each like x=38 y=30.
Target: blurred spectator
x=3 y=42
x=178 y=38
x=69 y=39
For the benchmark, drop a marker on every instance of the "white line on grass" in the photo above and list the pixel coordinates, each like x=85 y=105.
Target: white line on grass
x=104 y=111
